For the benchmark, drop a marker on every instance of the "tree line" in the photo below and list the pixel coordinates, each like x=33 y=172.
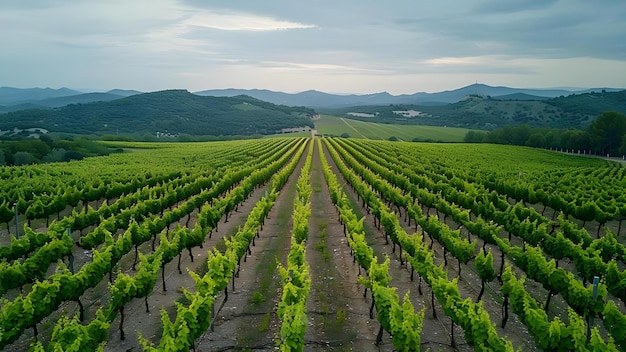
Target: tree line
x=606 y=135
x=25 y=151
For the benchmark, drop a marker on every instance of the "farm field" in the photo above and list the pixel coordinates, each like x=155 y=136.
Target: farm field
x=292 y=134
x=332 y=125
x=314 y=244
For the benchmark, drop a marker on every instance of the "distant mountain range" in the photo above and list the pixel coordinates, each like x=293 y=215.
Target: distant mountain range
x=13 y=99
x=171 y=112
x=315 y=99
x=14 y=96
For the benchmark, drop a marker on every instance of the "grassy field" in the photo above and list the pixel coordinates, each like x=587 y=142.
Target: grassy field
x=287 y=135
x=333 y=125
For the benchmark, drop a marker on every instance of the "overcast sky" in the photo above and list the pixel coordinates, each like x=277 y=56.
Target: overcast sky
x=341 y=46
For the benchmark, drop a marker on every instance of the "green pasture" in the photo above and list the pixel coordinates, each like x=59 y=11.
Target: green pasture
x=288 y=135
x=332 y=125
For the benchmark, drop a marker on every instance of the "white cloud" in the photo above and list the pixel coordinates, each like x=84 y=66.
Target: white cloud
x=320 y=67
x=453 y=61
x=241 y=22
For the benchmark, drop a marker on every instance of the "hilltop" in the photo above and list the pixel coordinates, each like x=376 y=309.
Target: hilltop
x=170 y=112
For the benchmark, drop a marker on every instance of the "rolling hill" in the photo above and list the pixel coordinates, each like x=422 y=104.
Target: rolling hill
x=168 y=112
x=483 y=112
x=77 y=99
x=16 y=96
x=520 y=96
x=15 y=99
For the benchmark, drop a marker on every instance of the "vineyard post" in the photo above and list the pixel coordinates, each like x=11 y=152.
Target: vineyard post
x=17 y=228
x=596 y=281
x=71 y=256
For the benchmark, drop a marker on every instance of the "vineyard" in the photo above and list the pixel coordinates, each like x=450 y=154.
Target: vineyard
x=302 y=244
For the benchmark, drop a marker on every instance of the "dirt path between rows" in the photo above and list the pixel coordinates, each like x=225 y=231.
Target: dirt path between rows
x=337 y=312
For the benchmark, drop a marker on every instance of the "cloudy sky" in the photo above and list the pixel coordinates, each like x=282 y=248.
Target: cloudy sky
x=341 y=46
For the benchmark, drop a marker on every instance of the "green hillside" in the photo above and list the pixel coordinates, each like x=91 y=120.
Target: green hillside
x=172 y=112
x=483 y=112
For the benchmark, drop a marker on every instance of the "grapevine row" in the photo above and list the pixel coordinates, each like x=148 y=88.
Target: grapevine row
x=552 y=335
x=79 y=221
x=40 y=194
x=46 y=296
x=475 y=194
x=588 y=261
x=576 y=294
x=554 y=279
x=37 y=266
x=193 y=321
x=400 y=321
x=295 y=277
x=126 y=287
x=479 y=330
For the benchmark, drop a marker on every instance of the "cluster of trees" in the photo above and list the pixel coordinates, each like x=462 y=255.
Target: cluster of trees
x=605 y=135
x=25 y=151
x=593 y=103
